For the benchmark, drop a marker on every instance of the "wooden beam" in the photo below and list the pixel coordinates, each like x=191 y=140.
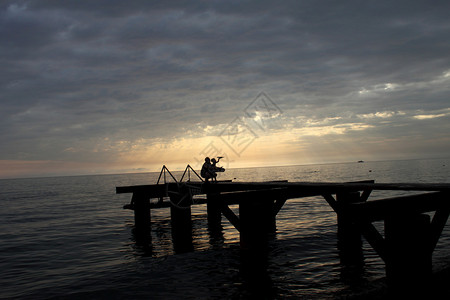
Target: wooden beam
x=330 y=187
x=365 y=195
x=141 y=204
x=374 y=238
x=331 y=201
x=380 y=209
x=437 y=224
x=244 y=195
x=408 y=252
x=230 y=215
x=238 y=197
x=278 y=205
x=294 y=189
x=153 y=190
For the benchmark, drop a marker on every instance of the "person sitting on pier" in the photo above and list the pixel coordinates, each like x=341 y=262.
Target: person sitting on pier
x=207 y=171
x=214 y=161
x=214 y=168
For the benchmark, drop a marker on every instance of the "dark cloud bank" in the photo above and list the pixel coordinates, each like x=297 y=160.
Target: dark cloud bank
x=77 y=72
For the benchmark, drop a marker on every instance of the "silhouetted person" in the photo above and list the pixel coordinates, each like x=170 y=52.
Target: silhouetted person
x=206 y=171
x=214 y=168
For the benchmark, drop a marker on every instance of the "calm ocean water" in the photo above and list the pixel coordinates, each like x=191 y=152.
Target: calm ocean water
x=69 y=238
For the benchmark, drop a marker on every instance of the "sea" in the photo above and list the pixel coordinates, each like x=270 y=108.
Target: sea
x=70 y=238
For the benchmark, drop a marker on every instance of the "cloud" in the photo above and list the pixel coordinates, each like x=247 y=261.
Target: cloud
x=90 y=81
x=425 y=117
x=383 y=115
x=438 y=114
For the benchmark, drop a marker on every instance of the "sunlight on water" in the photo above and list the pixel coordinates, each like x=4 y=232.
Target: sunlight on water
x=69 y=237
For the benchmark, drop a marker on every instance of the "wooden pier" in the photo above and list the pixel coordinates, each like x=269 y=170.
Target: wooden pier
x=406 y=245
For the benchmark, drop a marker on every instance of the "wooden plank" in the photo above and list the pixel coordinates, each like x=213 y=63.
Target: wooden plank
x=380 y=209
x=410 y=186
x=330 y=187
x=154 y=190
x=294 y=188
x=244 y=195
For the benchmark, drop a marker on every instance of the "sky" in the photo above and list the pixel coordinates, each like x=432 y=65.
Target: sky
x=108 y=86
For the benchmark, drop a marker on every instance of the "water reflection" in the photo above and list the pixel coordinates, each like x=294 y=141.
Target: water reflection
x=256 y=280
x=281 y=266
x=182 y=237
x=351 y=256
x=143 y=240
x=216 y=237
x=292 y=267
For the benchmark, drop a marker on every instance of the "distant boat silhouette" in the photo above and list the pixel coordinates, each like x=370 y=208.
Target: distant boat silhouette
x=360 y=161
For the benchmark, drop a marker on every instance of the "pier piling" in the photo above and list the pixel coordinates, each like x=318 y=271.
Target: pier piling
x=181 y=221
x=142 y=217
x=409 y=253
x=257 y=221
x=349 y=234
x=214 y=210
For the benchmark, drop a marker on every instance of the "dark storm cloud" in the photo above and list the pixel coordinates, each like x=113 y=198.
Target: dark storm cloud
x=77 y=72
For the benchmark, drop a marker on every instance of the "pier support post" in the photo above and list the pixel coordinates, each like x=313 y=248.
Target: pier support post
x=180 y=217
x=349 y=235
x=409 y=253
x=141 y=204
x=257 y=220
x=214 y=210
